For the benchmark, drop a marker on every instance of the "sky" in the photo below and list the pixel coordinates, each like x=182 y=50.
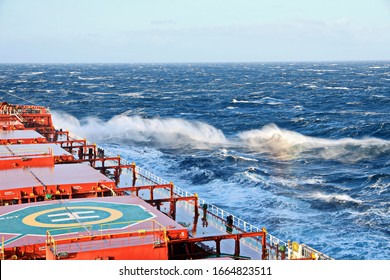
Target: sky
x=181 y=31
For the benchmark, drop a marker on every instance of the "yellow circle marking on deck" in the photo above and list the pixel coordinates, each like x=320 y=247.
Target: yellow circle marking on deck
x=31 y=219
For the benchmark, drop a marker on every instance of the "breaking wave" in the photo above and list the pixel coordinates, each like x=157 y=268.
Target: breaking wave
x=287 y=144
x=339 y=198
x=165 y=133
x=174 y=133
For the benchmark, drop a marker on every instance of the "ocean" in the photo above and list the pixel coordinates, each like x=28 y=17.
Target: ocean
x=302 y=149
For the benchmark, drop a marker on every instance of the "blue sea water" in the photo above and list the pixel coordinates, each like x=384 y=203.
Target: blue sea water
x=299 y=148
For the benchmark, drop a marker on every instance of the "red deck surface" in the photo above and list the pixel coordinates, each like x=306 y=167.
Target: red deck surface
x=21 y=137
x=32 y=148
x=63 y=174
x=32 y=184
x=33 y=151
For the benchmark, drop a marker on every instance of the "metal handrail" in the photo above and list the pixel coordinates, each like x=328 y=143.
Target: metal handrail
x=52 y=241
x=20 y=118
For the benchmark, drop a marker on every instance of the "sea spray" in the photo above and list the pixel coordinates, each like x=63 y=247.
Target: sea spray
x=287 y=144
x=165 y=133
x=175 y=133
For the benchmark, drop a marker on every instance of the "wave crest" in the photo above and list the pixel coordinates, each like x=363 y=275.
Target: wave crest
x=164 y=133
x=172 y=133
x=338 y=198
x=287 y=144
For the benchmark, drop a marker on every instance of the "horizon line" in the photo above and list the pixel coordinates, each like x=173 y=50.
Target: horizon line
x=211 y=62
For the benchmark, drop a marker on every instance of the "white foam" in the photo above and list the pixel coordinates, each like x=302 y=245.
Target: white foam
x=91 y=78
x=225 y=153
x=66 y=121
x=32 y=73
x=265 y=100
x=244 y=158
x=343 y=198
x=132 y=94
x=240 y=101
x=338 y=88
x=255 y=177
x=310 y=85
x=378 y=186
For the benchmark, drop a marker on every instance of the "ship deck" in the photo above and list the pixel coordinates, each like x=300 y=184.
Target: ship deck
x=57 y=175
x=27 y=224
x=59 y=181
x=21 y=137
x=213 y=226
x=32 y=149
x=207 y=226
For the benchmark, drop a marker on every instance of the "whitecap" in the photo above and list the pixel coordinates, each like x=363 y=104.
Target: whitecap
x=32 y=73
x=338 y=88
x=286 y=144
x=341 y=198
x=91 y=78
x=170 y=132
x=255 y=177
x=310 y=86
x=298 y=107
x=240 y=101
x=132 y=94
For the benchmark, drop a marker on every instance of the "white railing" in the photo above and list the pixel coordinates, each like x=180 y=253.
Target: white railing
x=150 y=176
